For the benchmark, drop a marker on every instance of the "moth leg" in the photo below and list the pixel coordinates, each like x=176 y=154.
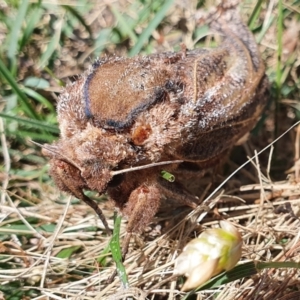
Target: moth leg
x=178 y=192
x=142 y=205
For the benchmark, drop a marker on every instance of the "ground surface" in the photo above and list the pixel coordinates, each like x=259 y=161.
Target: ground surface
x=54 y=247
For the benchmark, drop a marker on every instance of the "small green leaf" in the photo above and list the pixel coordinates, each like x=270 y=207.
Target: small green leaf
x=168 y=176
x=36 y=82
x=201 y=32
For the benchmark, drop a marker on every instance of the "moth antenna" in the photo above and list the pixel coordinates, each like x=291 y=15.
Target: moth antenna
x=40 y=145
x=113 y=173
x=50 y=149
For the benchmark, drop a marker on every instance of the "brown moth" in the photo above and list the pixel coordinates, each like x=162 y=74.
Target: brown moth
x=190 y=106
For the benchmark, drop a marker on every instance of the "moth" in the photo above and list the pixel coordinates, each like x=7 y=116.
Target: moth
x=127 y=119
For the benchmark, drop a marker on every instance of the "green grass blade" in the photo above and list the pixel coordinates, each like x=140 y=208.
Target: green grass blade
x=123 y=25
x=53 y=76
x=33 y=94
x=144 y=14
x=151 y=27
x=15 y=31
x=67 y=253
x=265 y=29
x=279 y=66
x=35 y=16
x=40 y=125
x=24 y=102
x=242 y=271
x=101 y=40
x=279 y=47
x=116 y=251
x=37 y=159
x=238 y=272
x=103 y=255
x=52 y=45
x=277 y=265
x=77 y=15
x=255 y=14
x=31 y=174
x=35 y=136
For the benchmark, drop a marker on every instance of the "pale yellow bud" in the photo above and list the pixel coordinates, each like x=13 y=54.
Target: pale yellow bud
x=213 y=251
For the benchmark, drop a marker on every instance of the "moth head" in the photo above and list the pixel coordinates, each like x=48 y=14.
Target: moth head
x=73 y=177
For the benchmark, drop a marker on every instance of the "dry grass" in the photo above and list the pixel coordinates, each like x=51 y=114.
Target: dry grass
x=53 y=247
